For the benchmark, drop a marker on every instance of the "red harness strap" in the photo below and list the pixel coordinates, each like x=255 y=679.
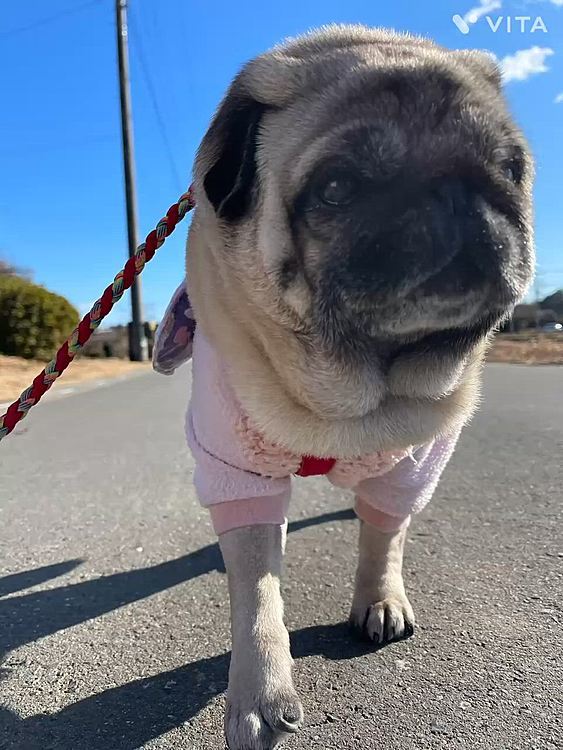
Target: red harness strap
x=315 y=467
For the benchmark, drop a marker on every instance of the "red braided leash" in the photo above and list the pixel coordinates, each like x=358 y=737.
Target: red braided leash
x=92 y=319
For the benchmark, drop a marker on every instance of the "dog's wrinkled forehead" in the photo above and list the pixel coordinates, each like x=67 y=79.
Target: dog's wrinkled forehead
x=430 y=118
x=384 y=99
x=324 y=59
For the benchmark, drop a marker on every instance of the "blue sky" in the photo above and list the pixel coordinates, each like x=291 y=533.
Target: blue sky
x=61 y=197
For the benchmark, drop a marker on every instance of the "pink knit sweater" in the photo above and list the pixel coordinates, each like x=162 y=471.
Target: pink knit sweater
x=244 y=479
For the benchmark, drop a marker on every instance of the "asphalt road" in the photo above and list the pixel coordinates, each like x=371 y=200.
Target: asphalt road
x=113 y=602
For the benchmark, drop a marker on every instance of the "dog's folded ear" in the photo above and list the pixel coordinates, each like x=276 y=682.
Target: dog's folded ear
x=226 y=160
x=230 y=149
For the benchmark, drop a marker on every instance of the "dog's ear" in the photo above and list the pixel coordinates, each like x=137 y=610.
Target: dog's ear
x=229 y=148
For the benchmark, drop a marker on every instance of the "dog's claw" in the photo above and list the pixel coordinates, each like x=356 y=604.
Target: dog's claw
x=383 y=622
x=262 y=726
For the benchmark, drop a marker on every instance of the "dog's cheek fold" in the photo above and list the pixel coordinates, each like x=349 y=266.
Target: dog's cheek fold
x=288 y=272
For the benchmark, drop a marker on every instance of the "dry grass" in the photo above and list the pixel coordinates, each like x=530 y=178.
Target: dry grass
x=17 y=374
x=528 y=349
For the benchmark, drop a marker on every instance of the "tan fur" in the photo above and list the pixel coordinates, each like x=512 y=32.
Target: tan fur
x=262 y=704
x=380 y=608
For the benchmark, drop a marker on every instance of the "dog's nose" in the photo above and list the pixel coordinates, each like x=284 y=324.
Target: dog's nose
x=412 y=229
x=447 y=207
x=451 y=197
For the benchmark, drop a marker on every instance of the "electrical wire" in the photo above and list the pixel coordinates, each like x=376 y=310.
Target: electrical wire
x=138 y=47
x=49 y=19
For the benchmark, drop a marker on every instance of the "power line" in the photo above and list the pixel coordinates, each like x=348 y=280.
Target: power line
x=50 y=19
x=154 y=100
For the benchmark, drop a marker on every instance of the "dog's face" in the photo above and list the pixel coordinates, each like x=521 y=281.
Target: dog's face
x=379 y=184
x=408 y=208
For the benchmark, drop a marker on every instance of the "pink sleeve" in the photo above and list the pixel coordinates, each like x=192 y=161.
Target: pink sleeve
x=224 y=475
x=408 y=487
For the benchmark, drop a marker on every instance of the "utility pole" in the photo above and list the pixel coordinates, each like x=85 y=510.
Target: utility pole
x=537 y=295
x=137 y=341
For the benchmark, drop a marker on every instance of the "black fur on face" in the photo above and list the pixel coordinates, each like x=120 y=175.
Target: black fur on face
x=412 y=227
x=229 y=182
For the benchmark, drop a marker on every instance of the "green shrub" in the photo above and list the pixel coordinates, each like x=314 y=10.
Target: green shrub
x=33 y=321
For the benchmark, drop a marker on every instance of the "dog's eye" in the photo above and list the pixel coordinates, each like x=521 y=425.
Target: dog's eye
x=338 y=189
x=513 y=170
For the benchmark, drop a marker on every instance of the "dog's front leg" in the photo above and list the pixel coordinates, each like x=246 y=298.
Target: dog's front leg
x=380 y=608
x=262 y=703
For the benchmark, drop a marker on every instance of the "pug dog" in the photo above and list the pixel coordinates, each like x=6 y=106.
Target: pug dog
x=363 y=223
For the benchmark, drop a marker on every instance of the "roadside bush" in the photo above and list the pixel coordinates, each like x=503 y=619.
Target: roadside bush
x=33 y=321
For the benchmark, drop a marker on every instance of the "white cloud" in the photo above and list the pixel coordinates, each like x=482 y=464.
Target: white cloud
x=558 y=99
x=525 y=63
x=484 y=8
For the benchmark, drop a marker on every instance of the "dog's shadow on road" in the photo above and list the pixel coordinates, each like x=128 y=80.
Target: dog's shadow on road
x=128 y=716
x=26 y=618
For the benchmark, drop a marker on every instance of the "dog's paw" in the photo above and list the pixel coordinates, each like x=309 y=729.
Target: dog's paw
x=385 y=621
x=256 y=720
